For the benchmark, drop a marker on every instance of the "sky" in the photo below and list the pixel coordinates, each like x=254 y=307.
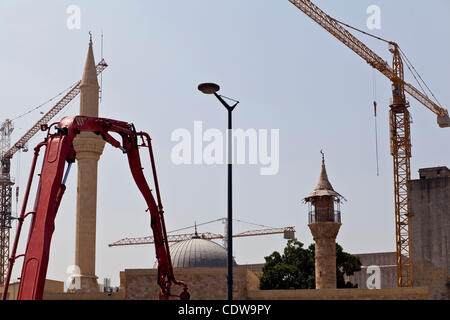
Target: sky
x=288 y=73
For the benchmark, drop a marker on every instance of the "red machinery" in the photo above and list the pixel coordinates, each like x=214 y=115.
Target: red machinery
x=59 y=150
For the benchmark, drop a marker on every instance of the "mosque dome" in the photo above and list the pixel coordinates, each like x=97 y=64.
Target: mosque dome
x=197 y=252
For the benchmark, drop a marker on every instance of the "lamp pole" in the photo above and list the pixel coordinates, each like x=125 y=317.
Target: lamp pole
x=211 y=88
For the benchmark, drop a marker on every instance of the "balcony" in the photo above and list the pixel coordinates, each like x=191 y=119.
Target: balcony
x=324 y=215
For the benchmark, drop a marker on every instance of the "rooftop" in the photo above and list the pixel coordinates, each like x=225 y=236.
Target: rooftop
x=435 y=172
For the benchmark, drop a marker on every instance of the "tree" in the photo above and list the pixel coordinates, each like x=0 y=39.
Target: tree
x=295 y=269
x=292 y=270
x=347 y=264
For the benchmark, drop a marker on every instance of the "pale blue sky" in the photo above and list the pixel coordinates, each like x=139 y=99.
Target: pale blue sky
x=288 y=73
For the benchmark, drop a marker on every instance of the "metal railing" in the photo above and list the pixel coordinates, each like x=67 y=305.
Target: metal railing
x=324 y=215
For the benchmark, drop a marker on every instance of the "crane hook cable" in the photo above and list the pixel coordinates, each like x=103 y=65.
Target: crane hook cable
x=375 y=119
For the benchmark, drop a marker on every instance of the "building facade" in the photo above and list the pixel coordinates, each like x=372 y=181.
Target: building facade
x=430 y=230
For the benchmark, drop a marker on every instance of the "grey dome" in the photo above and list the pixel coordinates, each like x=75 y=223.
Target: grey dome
x=198 y=252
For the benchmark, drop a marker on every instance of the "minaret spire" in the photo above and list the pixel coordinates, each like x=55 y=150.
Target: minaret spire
x=324 y=183
x=89 y=85
x=88 y=148
x=324 y=222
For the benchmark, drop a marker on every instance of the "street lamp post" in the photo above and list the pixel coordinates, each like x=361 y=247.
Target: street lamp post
x=212 y=88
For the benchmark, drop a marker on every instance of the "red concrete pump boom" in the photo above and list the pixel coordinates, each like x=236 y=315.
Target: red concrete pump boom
x=59 y=150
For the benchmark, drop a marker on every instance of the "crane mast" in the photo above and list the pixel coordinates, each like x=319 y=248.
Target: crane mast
x=399 y=125
x=6 y=183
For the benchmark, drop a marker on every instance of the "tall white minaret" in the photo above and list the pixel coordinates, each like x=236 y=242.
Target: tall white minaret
x=88 y=148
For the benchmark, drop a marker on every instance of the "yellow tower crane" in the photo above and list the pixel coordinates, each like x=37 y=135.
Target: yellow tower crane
x=288 y=233
x=399 y=124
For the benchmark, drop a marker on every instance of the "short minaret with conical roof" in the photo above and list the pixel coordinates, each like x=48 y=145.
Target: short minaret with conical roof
x=88 y=147
x=324 y=223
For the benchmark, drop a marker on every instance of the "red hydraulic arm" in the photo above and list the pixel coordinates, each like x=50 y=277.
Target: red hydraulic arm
x=51 y=187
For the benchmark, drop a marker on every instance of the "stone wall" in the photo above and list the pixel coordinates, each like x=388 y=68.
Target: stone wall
x=430 y=230
x=388 y=269
x=203 y=283
x=256 y=268
x=51 y=286
x=210 y=284
x=83 y=296
x=385 y=260
x=419 y=293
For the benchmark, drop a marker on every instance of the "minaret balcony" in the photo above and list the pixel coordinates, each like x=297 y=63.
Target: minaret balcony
x=323 y=215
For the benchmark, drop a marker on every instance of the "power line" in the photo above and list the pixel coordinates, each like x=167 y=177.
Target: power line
x=255 y=224
x=359 y=30
x=193 y=226
x=44 y=103
x=221 y=219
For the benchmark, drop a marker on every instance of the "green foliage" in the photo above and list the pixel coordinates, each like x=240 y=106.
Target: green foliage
x=347 y=264
x=295 y=268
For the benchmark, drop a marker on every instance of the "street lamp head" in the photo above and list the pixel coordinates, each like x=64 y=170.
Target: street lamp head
x=208 y=88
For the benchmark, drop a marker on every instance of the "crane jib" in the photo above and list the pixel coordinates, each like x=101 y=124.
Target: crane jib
x=332 y=26
x=68 y=97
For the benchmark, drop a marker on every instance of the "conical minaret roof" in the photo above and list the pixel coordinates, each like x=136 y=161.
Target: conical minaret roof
x=323 y=187
x=89 y=86
x=90 y=72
